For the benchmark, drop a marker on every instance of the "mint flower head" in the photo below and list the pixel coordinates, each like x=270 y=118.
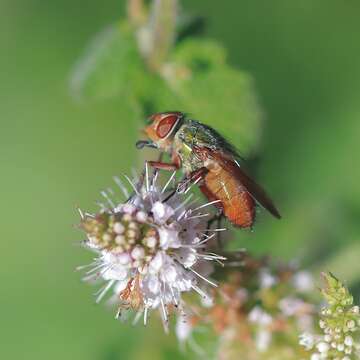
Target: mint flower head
x=151 y=249
x=340 y=323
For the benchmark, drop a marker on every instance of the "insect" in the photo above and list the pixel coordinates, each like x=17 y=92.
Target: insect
x=210 y=161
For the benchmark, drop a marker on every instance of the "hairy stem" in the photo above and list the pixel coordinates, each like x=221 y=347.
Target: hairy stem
x=156 y=37
x=136 y=12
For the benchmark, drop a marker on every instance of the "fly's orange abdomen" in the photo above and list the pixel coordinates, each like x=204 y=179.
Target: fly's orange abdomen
x=236 y=202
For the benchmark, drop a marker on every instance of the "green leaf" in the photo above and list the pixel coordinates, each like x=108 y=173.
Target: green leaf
x=199 y=54
x=110 y=65
x=215 y=93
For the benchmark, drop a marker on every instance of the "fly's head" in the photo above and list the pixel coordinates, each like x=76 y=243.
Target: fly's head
x=161 y=130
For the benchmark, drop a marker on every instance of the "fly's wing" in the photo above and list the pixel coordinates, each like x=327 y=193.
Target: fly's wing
x=233 y=167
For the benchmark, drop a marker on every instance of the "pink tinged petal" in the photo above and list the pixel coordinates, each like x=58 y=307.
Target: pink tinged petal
x=138 y=253
x=128 y=209
x=187 y=257
x=156 y=263
x=303 y=281
x=183 y=329
x=169 y=238
x=153 y=285
x=259 y=316
x=184 y=285
x=124 y=258
x=207 y=302
x=170 y=274
x=267 y=280
x=263 y=339
x=162 y=212
x=116 y=273
x=141 y=216
x=307 y=340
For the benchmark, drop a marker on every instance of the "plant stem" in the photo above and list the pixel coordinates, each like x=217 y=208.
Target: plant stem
x=136 y=12
x=155 y=36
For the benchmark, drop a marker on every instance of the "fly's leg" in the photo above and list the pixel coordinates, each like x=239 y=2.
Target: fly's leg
x=159 y=165
x=153 y=176
x=184 y=185
x=217 y=218
x=194 y=178
x=218 y=223
x=163 y=166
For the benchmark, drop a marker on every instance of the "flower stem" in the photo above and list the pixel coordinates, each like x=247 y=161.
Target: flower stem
x=156 y=34
x=136 y=12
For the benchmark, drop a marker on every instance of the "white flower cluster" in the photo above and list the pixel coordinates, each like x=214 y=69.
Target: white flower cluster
x=291 y=307
x=150 y=249
x=339 y=323
x=337 y=341
x=263 y=320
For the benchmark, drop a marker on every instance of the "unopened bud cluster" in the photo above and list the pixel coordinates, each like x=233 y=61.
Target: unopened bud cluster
x=128 y=232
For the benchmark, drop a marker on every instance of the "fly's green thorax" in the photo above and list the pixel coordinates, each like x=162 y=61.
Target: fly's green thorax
x=192 y=133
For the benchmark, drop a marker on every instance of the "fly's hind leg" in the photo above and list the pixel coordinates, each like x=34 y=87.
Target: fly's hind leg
x=217 y=219
x=185 y=184
x=193 y=178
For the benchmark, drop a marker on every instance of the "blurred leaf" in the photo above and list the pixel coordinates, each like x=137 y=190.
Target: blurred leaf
x=199 y=55
x=189 y=25
x=109 y=66
x=215 y=93
x=345 y=262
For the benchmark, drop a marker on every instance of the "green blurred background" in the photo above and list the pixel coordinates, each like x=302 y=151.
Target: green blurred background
x=57 y=154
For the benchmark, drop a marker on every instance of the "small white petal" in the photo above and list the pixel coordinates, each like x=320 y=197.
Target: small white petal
x=267 y=280
x=348 y=341
x=170 y=274
x=259 y=316
x=187 y=257
x=116 y=273
x=128 y=209
x=141 y=216
x=207 y=301
x=291 y=306
x=151 y=242
x=162 y=212
x=138 y=253
x=154 y=284
x=156 y=263
x=183 y=329
x=168 y=238
x=303 y=281
x=124 y=258
x=262 y=340
x=307 y=340
x=323 y=347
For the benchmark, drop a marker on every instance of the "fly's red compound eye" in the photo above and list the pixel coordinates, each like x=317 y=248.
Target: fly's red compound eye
x=166 y=125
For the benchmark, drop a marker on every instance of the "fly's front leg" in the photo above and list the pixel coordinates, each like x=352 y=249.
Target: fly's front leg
x=163 y=166
x=193 y=178
x=159 y=165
